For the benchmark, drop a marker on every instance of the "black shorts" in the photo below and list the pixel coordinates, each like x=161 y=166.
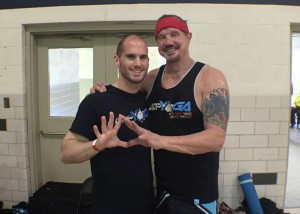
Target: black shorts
x=170 y=204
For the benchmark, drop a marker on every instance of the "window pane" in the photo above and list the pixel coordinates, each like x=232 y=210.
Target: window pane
x=70 y=78
x=156 y=60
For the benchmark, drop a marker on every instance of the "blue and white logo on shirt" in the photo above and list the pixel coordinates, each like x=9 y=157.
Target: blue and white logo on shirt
x=138 y=115
x=178 y=110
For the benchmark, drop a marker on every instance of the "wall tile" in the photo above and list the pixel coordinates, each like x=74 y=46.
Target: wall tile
x=274 y=190
x=5 y=172
x=255 y=114
x=7 y=137
x=3 y=149
x=24 y=186
x=235 y=114
x=267 y=128
x=268 y=101
x=22 y=137
x=281 y=178
x=9 y=184
x=277 y=166
x=18 y=149
x=279 y=114
x=278 y=140
x=232 y=141
x=20 y=112
x=283 y=153
x=266 y=153
x=228 y=167
x=238 y=154
x=6 y=113
x=16 y=125
x=19 y=174
x=228 y=191
x=8 y=161
x=23 y=162
x=253 y=141
x=242 y=101
x=5 y=195
x=241 y=128
x=19 y=196
x=231 y=179
x=252 y=166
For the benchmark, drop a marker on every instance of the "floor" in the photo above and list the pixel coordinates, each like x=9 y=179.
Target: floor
x=292 y=211
x=292 y=201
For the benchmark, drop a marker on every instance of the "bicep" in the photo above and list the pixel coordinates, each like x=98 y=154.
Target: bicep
x=71 y=136
x=216 y=108
x=213 y=94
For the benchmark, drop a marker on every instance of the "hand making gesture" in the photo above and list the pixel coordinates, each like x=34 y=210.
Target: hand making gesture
x=109 y=136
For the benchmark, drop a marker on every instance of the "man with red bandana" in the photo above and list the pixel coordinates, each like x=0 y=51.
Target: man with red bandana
x=188 y=110
x=188 y=104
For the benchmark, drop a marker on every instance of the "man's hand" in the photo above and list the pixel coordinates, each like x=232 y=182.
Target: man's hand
x=145 y=137
x=109 y=137
x=100 y=86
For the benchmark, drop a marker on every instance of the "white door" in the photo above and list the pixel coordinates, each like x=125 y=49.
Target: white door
x=68 y=65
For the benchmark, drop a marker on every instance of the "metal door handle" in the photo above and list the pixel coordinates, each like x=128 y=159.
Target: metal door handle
x=51 y=133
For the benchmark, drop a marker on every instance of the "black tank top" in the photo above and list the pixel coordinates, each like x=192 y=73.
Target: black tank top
x=174 y=112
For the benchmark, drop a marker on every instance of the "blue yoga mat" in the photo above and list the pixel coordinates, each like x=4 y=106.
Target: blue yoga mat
x=250 y=194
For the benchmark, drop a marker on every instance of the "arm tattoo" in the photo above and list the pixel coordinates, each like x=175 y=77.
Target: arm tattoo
x=216 y=107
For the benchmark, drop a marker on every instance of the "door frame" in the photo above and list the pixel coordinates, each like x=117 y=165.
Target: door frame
x=32 y=31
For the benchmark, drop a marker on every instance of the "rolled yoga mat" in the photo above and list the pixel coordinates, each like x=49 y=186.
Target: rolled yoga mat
x=250 y=194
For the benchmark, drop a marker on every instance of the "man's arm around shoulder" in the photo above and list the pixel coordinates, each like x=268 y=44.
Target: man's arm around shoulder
x=148 y=81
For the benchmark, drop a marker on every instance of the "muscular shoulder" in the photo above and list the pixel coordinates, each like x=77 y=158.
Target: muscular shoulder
x=211 y=79
x=211 y=75
x=149 y=80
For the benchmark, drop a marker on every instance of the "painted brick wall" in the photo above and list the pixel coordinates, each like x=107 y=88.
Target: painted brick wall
x=257 y=143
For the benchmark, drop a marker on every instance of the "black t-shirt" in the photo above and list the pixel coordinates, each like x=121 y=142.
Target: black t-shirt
x=122 y=176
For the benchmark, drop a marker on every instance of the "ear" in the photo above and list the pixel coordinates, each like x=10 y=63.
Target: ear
x=117 y=60
x=189 y=35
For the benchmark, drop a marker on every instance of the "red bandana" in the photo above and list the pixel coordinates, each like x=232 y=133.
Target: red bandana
x=170 y=22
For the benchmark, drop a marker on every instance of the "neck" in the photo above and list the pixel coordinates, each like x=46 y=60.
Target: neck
x=174 y=72
x=132 y=88
x=180 y=67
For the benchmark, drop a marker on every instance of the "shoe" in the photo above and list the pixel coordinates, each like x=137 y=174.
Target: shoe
x=292 y=125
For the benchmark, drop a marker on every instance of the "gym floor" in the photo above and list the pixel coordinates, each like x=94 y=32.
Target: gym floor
x=292 y=202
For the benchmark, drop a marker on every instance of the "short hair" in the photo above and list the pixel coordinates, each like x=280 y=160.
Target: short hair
x=120 y=47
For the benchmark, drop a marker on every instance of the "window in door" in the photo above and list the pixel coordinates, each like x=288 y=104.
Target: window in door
x=70 y=76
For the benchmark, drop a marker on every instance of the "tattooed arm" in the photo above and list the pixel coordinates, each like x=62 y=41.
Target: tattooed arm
x=212 y=95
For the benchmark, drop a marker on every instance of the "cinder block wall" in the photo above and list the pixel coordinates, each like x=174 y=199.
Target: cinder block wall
x=249 y=43
x=256 y=143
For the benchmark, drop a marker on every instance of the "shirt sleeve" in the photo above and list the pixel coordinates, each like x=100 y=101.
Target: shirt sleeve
x=85 y=119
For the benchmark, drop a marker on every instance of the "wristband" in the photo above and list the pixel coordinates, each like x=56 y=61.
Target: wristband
x=95 y=147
